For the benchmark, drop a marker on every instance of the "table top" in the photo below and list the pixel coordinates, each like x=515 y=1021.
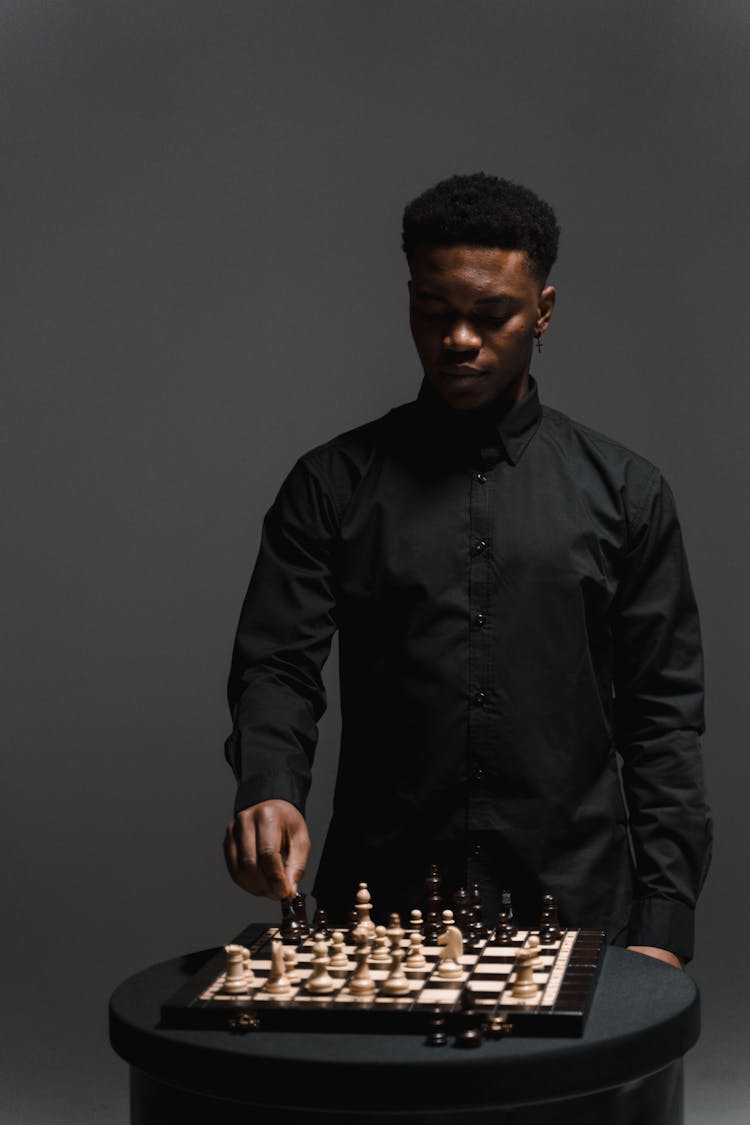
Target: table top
x=645 y=1015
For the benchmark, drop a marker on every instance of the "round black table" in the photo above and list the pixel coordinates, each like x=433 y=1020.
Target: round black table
x=625 y=1070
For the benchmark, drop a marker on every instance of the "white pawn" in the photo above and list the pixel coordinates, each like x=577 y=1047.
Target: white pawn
x=290 y=964
x=448 y=919
x=277 y=982
x=415 y=958
x=396 y=983
x=338 y=958
x=395 y=932
x=416 y=921
x=320 y=980
x=381 y=951
x=247 y=966
x=361 y=982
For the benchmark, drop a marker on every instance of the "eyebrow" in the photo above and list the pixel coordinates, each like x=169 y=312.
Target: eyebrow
x=502 y=298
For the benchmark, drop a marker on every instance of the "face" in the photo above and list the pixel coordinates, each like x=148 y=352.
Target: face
x=474 y=313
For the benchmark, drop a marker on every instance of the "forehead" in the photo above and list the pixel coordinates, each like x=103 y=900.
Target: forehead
x=472 y=270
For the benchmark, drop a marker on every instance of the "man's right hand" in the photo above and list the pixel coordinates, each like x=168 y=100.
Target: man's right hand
x=266 y=848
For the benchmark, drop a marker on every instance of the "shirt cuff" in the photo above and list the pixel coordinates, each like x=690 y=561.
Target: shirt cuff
x=664 y=924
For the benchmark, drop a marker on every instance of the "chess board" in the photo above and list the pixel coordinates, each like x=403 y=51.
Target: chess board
x=565 y=974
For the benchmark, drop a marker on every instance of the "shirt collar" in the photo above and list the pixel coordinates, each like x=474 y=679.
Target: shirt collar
x=514 y=428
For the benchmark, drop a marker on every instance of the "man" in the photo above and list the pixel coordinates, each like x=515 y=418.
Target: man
x=520 y=653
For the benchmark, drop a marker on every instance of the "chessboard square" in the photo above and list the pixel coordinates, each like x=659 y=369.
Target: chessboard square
x=468 y=959
x=439 y=995
x=486 y=986
x=500 y=969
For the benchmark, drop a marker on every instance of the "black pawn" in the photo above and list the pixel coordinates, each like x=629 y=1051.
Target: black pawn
x=550 y=904
x=469 y=1022
x=507 y=906
x=504 y=930
x=547 y=931
x=320 y=923
x=352 y=923
x=433 y=903
x=461 y=913
x=436 y=1035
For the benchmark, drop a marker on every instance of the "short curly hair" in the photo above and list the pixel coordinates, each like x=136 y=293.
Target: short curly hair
x=477 y=209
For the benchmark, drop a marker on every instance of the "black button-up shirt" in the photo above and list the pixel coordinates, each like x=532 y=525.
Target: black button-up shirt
x=520 y=665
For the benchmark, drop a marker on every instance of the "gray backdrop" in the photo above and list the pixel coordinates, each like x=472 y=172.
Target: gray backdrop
x=202 y=278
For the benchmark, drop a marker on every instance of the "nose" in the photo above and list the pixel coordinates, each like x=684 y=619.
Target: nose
x=461 y=337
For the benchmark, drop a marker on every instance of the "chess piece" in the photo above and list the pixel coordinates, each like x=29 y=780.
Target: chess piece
x=361 y=982
x=299 y=910
x=290 y=964
x=479 y=930
x=353 y=922
x=449 y=966
x=338 y=958
x=235 y=980
x=396 y=983
x=507 y=907
x=395 y=932
x=524 y=986
x=436 y=1036
x=505 y=931
x=433 y=904
x=461 y=912
x=415 y=958
x=320 y=980
x=550 y=905
x=320 y=923
x=381 y=950
x=547 y=932
x=416 y=922
x=277 y=982
x=533 y=943
x=446 y=920
x=247 y=966
x=289 y=930
x=468 y=1022
x=363 y=908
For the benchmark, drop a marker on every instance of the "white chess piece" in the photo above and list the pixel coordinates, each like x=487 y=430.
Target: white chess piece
x=235 y=981
x=361 y=982
x=415 y=958
x=337 y=954
x=452 y=941
x=277 y=982
x=320 y=980
x=363 y=907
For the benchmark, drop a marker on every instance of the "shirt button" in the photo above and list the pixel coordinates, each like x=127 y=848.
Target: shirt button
x=476 y=851
x=479 y=546
x=479 y=698
x=479 y=619
x=480 y=477
x=477 y=773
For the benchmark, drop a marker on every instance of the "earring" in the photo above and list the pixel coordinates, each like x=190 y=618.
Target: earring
x=538 y=338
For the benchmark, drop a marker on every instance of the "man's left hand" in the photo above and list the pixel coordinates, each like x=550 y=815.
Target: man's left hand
x=659 y=954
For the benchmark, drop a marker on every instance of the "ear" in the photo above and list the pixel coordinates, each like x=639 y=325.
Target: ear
x=545 y=307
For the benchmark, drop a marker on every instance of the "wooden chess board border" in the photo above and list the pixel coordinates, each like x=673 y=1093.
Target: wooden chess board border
x=565 y=1018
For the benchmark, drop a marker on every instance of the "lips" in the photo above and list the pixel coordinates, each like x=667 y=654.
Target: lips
x=460 y=371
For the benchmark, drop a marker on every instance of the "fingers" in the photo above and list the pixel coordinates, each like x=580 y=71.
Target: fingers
x=266 y=848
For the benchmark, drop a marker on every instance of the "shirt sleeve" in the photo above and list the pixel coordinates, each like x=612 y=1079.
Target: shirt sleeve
x=659 y=718
x=275 y=690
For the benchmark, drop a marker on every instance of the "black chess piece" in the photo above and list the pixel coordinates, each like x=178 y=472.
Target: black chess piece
x=507 y=906
x=477 y=921
x=299 y=910
x=469 y=1021
x=320 y=923
x=547 y=931
x=550 y=904
x=289 y=930
x=461 y=911
x=433 y=916
x=505 y=931
x=436 y=1033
